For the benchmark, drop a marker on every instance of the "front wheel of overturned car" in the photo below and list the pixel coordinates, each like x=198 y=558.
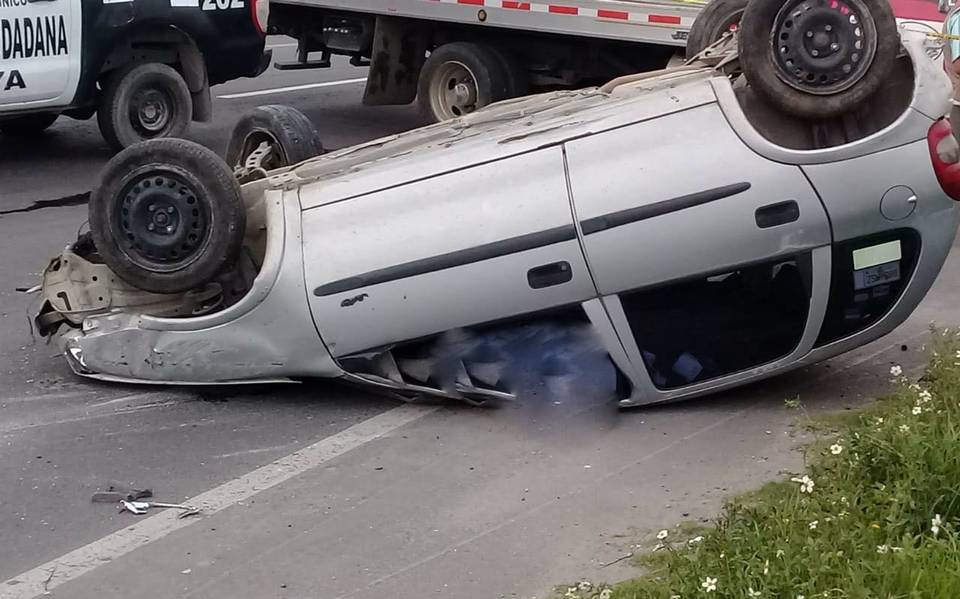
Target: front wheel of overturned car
x=289 y=134
x=167 y=215
x=817 y=59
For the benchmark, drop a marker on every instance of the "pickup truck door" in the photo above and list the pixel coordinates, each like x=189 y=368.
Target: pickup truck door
x=40 y=50
x=710 y=259
x=473 y=246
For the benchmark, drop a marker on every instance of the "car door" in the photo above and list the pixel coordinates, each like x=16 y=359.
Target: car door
x=40 y=52
x=477 y=245
x=711 y=260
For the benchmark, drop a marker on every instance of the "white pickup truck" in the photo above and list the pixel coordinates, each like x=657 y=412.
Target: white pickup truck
x=144 y=67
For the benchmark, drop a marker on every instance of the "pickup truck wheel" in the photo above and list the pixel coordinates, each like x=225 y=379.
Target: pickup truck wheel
x=459 y=78
x=291 y=135
x=167 y=215
x=716 y=19
x=144 y=101
x=30 y=124
x=817 y=59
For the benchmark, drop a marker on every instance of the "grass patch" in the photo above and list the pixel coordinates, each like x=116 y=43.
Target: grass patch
x=876 y=514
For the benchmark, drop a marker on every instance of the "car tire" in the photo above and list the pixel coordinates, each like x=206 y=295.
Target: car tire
x=144 y=101
x=713 y=21
x=792 y=79
x=30 y=124
x=290 y=133
x=167 y=215
x=459 y=78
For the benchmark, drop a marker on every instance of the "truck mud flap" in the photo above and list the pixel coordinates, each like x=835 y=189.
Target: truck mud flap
x=399 y=51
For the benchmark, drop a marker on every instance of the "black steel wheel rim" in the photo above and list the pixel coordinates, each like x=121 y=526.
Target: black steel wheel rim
x=151 y=111
x=162 y=222
x=823 y=47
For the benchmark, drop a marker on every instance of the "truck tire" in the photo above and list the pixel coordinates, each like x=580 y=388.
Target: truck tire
x=716 y=19
x=167 y=215
x=802 y=55
x=459 y=78
x=144 y=101
x=289 y=132
x=30 y=124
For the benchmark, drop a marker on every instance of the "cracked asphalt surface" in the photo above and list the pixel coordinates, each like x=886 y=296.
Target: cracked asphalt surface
x=455 y=503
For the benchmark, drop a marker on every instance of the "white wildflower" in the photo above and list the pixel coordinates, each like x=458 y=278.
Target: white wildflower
x=836 y=449
x=813 y=525
x=935 y=525
x=879 y=421
x=925 y=396
x=709 y=584
x=766 y=567
x=896 y=549
x=904 y=428
x=896 y=370
x=883 y=549
x=917 y=410
x=695 y=540
x=662 y=535
x=605 y=594
x=914 y=387
x=753 y=593
x=780 y=553
x=801 y=597
x=806 y=483
x=674 y=596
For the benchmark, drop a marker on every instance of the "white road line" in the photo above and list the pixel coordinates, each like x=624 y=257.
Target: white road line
x=292 y=88
x=46 y=577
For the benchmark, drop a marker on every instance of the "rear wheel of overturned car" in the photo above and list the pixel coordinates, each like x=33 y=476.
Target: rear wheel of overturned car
x=289 y=134
x=817 y=59
x=29 y=124
x=144 y=101
x=167 y=215
x=459 y=78
x=719 y=17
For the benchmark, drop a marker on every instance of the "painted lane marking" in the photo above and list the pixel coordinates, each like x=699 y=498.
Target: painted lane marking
x=70 y=566
x=292 y=88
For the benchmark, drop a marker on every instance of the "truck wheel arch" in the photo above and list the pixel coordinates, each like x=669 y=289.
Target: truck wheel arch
x=168 y=45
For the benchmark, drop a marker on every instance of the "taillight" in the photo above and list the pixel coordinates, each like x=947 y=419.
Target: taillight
x=945 y=155
x=260 y=10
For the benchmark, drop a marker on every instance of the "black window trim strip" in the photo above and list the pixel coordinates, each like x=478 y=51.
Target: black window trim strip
x=480 y=253
x=604 y=222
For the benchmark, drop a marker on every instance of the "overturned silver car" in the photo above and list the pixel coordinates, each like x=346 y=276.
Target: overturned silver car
x=706 y=229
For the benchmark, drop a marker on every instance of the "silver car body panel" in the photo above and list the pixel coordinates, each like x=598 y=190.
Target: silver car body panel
x=437 y=229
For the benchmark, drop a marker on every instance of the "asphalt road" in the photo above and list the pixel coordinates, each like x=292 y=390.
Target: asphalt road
x=323 y=491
